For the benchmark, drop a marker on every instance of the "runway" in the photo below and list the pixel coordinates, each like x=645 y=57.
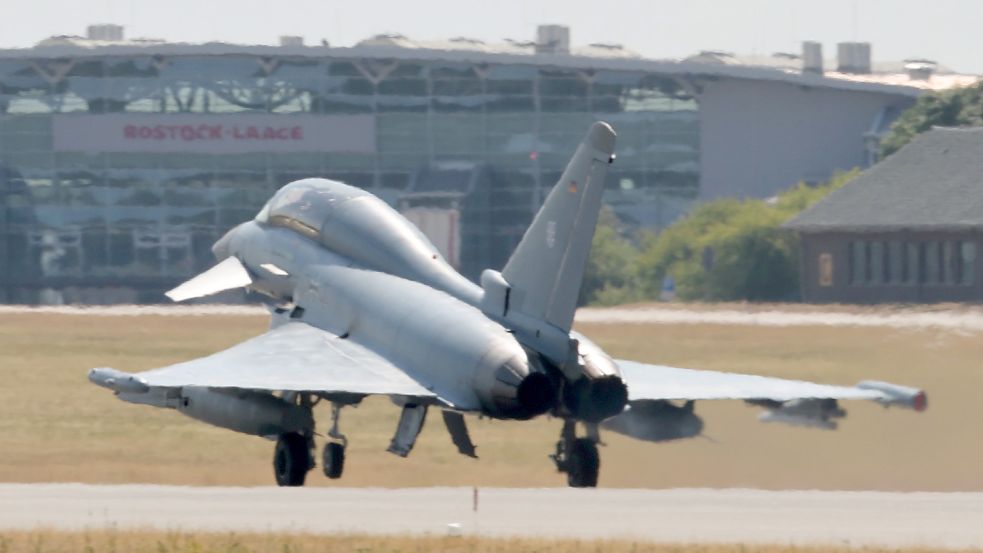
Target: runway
x=677 y=516
x=963 y=319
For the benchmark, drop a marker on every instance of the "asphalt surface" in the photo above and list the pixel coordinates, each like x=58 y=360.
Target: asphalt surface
x=748 y=516
x=957 y=319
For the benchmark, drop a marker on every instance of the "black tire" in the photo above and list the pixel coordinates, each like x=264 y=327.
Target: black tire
x=333 y=460
x=291 y=460
x=583 y=465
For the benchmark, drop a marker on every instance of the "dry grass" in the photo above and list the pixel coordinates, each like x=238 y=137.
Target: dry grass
x=111 y=541
x=54 y=426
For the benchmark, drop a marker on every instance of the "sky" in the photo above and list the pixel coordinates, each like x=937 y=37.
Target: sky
x=947 y=31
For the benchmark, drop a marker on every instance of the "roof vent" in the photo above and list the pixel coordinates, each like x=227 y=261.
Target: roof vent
x=812 y=57
x=291 y=40
x=105 y=31
x=467 y=40
x=853 y=57
x=920 y=70
x=714 y=56
x=388 y=39
x=552 y=39
x=607 y=45
x=521 y=43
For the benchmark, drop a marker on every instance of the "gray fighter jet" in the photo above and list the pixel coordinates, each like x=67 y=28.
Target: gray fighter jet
x=363 y=304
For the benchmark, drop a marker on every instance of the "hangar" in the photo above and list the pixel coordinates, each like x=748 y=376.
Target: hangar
x=123 y=160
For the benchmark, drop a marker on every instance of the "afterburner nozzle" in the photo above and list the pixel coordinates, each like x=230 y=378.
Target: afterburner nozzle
x=536 y=394
x=595 y=399
x=515 y=389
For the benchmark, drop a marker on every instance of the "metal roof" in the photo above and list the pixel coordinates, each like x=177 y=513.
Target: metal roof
x=462 y=50
x=933 y=183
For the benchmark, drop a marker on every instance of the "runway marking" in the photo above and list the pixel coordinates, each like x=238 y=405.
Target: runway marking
x=675 y=516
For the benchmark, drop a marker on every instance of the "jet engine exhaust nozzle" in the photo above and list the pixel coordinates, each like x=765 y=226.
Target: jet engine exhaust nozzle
x=514 y=390
x=595 y=399
x=536 y=394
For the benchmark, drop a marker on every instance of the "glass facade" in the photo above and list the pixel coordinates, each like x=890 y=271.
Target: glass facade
x=124 y=224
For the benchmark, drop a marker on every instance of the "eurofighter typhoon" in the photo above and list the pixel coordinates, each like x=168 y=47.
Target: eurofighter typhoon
x=362 y=304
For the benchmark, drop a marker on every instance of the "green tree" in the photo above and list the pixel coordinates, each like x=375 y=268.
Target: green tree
x=731 y=250
x=610 y=276
x=958 y=107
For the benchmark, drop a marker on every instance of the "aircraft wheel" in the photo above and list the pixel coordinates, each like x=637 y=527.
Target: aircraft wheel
x=291 y=460
x=583 y=464
x=333 y=460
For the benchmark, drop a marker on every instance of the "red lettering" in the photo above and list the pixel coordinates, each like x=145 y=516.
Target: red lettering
x=190 y=133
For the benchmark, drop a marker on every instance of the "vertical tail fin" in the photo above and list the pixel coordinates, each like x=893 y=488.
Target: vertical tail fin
x=546 y=269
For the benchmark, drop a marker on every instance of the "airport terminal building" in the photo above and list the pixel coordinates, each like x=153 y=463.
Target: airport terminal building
x=121 y=161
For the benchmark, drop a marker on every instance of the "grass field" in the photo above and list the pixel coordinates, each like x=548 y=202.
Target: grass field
x=54 y=426
x=110 y=541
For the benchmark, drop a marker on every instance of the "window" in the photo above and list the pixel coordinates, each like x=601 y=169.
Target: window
x=876 y=255
x=825 y=269
x=895 y=263
x=932 y=263
x=858 y=262
x=912 y=263
x=967 y=257
x=949 y=270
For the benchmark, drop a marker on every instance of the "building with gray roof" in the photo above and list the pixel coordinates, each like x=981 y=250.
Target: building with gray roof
x=125 y=158
x=908 y=229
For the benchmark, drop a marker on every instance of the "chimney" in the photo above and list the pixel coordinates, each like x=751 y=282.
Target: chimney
x=552 y=39
x=812 y=57
x=853 y=57
x=105 y=31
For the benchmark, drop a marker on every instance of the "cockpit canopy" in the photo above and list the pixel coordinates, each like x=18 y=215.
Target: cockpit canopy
x=358 y=225
x=304 y=205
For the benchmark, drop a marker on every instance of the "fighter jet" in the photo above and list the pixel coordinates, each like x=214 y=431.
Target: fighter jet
x=363 y=304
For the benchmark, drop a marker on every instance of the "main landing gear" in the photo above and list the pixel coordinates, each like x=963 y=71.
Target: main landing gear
x=333 y=456
x=293 y=457
x=578 y=457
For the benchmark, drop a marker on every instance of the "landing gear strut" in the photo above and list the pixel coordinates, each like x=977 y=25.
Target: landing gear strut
x=578 y=457
x=333 y=457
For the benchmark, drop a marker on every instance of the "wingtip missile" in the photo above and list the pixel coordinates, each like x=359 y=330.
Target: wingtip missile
x=897 y=395
x=118 y=381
